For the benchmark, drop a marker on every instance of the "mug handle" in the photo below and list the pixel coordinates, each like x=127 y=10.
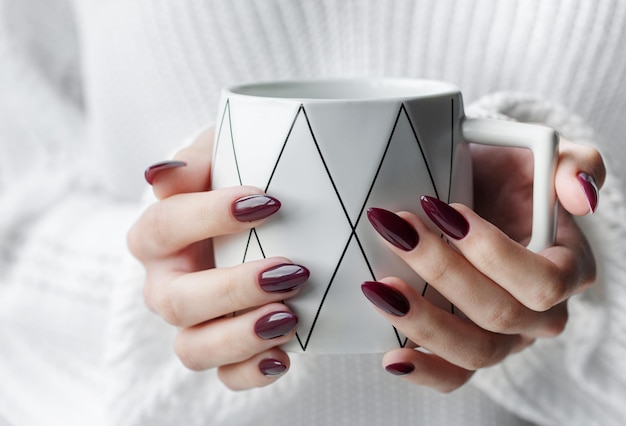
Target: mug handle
x=544 y=143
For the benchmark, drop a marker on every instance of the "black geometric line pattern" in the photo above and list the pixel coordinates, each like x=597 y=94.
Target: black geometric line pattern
x=401 y=342
x=232 y=142
x=451 y=149
x=305 y=340
x=256 y=236
x=302 y=111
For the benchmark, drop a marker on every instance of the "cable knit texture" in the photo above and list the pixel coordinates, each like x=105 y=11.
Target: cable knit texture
x=94 y=91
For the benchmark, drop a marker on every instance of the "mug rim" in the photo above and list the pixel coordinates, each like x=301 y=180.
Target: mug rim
x=344 y=89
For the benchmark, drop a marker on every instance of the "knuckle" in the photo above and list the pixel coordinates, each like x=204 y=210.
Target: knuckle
x=440 y=269
x=556 y=327
x=553 y=290
x=185 y=354
x=157 y=222
x=133 y=241
x=232 y=296
x=420 y=334
x=489 y=251
x=488 y=354
x=152 y=229
x=504 y=317
x=164 y=304
x=148 y=297
x=229 y=343
x=557 y=323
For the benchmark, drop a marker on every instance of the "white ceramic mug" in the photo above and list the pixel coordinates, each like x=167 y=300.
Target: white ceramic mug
x=328 y=150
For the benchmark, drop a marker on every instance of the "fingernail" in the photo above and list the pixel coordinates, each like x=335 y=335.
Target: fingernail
x=386 y=298
x=591 y=190
x=283 y=278
x=272 y=367
x=275 y=324
x=254 y=207
x=154 y=169
x=400 y=368
x=393 y=228
x=445 y=217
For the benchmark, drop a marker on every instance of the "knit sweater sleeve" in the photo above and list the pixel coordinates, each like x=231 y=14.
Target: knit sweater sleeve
x=578 y=377
x=41 y=109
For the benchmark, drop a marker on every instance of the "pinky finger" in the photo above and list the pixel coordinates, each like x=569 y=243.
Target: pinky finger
x=260 y=370
x=426 y=369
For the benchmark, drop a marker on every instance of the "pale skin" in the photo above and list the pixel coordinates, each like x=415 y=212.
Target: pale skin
x=511 y=295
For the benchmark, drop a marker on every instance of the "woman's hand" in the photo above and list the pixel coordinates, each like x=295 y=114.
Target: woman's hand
x=172 y=239
x=511 y=295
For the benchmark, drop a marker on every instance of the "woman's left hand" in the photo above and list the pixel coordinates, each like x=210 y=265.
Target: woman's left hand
x=509 y=295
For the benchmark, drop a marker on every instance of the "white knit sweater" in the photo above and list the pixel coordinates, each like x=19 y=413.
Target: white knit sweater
x=92 y=92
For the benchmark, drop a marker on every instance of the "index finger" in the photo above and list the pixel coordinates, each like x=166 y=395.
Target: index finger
x=174 y=223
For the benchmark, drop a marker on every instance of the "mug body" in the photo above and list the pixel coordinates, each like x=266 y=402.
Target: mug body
x=328 y=150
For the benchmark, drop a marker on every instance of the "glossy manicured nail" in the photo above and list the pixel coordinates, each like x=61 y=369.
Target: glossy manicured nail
x=272 y=367
x=154 y=169
x=400 y=368
x=386 y=298
x=591 y=190
x=445 y=217
x=275 y=324
x=254 y=207
x=284 y=277
x=393 y=228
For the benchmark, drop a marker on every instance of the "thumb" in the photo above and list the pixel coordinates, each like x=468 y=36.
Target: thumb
x=189 y=171
x=579 y=176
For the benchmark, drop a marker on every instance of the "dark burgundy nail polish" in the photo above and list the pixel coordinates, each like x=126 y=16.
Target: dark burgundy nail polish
x=272 y=367
x=591 y=190
x=254 y=207
x=386 y=298
x=284 y=277
x=393 y=228
x=400 y=368
x=445 y=217
x=154 y=169
x=275 y=324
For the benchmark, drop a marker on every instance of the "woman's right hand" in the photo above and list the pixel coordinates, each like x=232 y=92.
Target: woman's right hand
x=173 y=240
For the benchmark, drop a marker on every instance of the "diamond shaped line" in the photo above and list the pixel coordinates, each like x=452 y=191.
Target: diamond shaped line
x=451 y=147
x=253 y=230
x=302 y=110
x=245 y=253
x=256 y=236
x=432 y=180
x=232 y=142
x=353 y=226
x=382 y=160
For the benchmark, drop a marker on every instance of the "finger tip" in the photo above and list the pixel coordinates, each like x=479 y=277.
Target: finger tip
x=152 y=171
x=400 y=368
x=578 y=198
x=590 y=190
x=272 y=367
